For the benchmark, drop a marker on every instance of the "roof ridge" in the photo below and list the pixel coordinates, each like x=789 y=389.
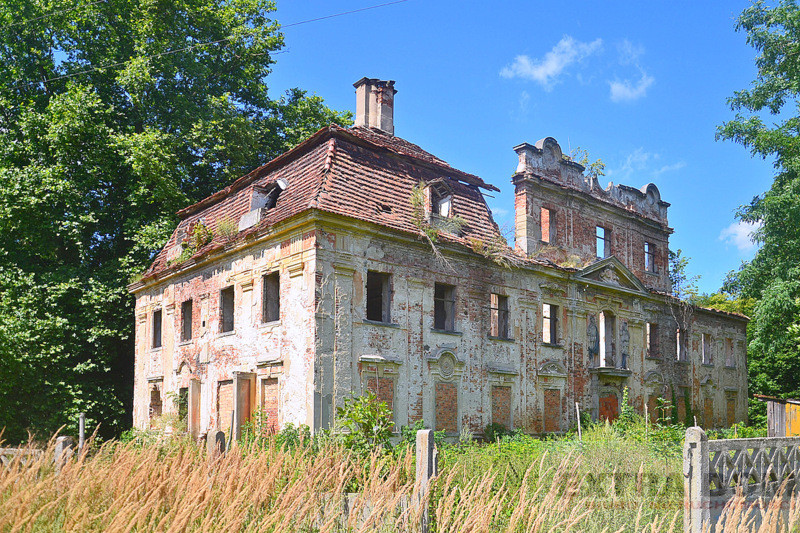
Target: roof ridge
x=326 y=172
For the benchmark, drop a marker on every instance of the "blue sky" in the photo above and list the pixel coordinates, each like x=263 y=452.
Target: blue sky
x=641 y=85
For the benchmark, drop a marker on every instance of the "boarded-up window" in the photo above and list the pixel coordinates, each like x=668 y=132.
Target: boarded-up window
x=684 y=400
x=501 y=406
x=552 y=410
x=224 y=405
x=157 y=328
x=444 y=307
x=708 y=413
x=548 y=225
x=226 y=309
x=609 y=407
x=270 y=403
x=378 y=301
x=271 y=298
x=446 y=400
x=730 y=409
x=549 y=324
x=186 y=320
x=499 y=316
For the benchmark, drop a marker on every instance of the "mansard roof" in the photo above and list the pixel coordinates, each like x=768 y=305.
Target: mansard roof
x=362 y=173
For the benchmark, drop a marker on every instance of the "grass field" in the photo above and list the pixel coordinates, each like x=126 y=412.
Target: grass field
x=615 y=479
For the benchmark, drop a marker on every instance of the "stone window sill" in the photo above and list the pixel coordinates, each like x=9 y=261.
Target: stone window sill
x=552 y=345
x=731 y=367
x=156 y=349
x=653 y=357
x=501 y=339
x=682 y=361
x=382 y=324
x=226 y=333
x=708 y=365
x=447 y=332
x=270 y=324
x=186 y=342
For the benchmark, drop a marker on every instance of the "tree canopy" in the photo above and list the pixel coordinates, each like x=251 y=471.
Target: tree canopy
x=767 y=122
x=114 y=114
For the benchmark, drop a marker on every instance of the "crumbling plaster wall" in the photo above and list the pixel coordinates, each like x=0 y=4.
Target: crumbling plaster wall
x=352 y=350
x=576 y=217
x=284 y=348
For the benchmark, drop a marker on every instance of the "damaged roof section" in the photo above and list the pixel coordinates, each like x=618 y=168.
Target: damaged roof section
x=361 y=172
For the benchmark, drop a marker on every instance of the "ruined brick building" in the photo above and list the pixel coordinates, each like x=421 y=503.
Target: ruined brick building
x=312 y=279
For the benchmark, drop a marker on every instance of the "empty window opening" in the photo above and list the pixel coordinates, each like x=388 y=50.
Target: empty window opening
x=155 y=404
x=186 y=320
x=157 y=328
x=706 y=347
x=603 y=245
x=183 y=404
x=608 y=339
x=378 y=301
x=548 y=225
x=729 y=359
x=680 y=349
x=499 y=316
x=271 y=297
x=441 y=201
x=226 y=309
x=649 y=257
x=549 y=324
x=651 y=334
x=444 y=307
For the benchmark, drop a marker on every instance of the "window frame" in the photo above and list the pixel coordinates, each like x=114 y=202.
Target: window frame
x=222 y=309
x=157 y=337
x=706 y=349
x=186 y=320
x=550 y=324
x=447 y=302
x=651 y=340
x=384 y=298
x=271 y=297
x=606 y=240
x=548 y=237
x=649 y=257
x=499 y=326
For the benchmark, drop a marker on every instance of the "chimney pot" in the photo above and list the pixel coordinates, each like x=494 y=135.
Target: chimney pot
x=375 y=104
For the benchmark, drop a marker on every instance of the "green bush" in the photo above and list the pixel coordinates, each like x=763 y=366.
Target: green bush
x=367 y=423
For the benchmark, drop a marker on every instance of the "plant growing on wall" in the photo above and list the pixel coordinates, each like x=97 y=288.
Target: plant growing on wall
x=431 y=233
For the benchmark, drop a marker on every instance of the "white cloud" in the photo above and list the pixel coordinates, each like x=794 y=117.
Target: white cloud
x=642 y=165
x=524 y=100
x=626 y=90
x=740 y=235
x=629 y=53
x=669 y=168
x=545 y=71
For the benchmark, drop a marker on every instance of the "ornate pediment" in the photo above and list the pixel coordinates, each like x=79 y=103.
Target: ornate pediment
x=611 y=272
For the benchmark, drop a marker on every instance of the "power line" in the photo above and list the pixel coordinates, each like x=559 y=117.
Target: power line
x=343 y=13
x=191 y=47
x=50 y=14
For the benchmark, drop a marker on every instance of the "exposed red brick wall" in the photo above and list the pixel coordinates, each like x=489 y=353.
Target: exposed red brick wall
x=383 y=388
x=708 y=413
x=681 y=401
x=730 y=413
x=270 y=402
x=224 y=404
x=552 y=410
x=609 y=407
x=652 y=408
x=501 y=406
x=446 y=407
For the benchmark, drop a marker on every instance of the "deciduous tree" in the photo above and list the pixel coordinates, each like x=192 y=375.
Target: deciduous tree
x=113 y=115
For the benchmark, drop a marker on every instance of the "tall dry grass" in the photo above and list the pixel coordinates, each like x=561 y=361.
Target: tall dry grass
x=173 y=486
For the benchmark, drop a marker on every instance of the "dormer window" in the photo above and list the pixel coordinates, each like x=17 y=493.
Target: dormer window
x=441 y=199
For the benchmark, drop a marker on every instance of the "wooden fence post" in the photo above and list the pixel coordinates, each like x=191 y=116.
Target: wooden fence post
x=697 y=500
x=81 y=431
x=427 y=468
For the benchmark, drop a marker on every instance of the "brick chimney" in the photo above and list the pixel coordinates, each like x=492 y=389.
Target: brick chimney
x=375 y=104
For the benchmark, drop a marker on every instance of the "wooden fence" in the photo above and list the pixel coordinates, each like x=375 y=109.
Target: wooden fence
x=715 y=471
